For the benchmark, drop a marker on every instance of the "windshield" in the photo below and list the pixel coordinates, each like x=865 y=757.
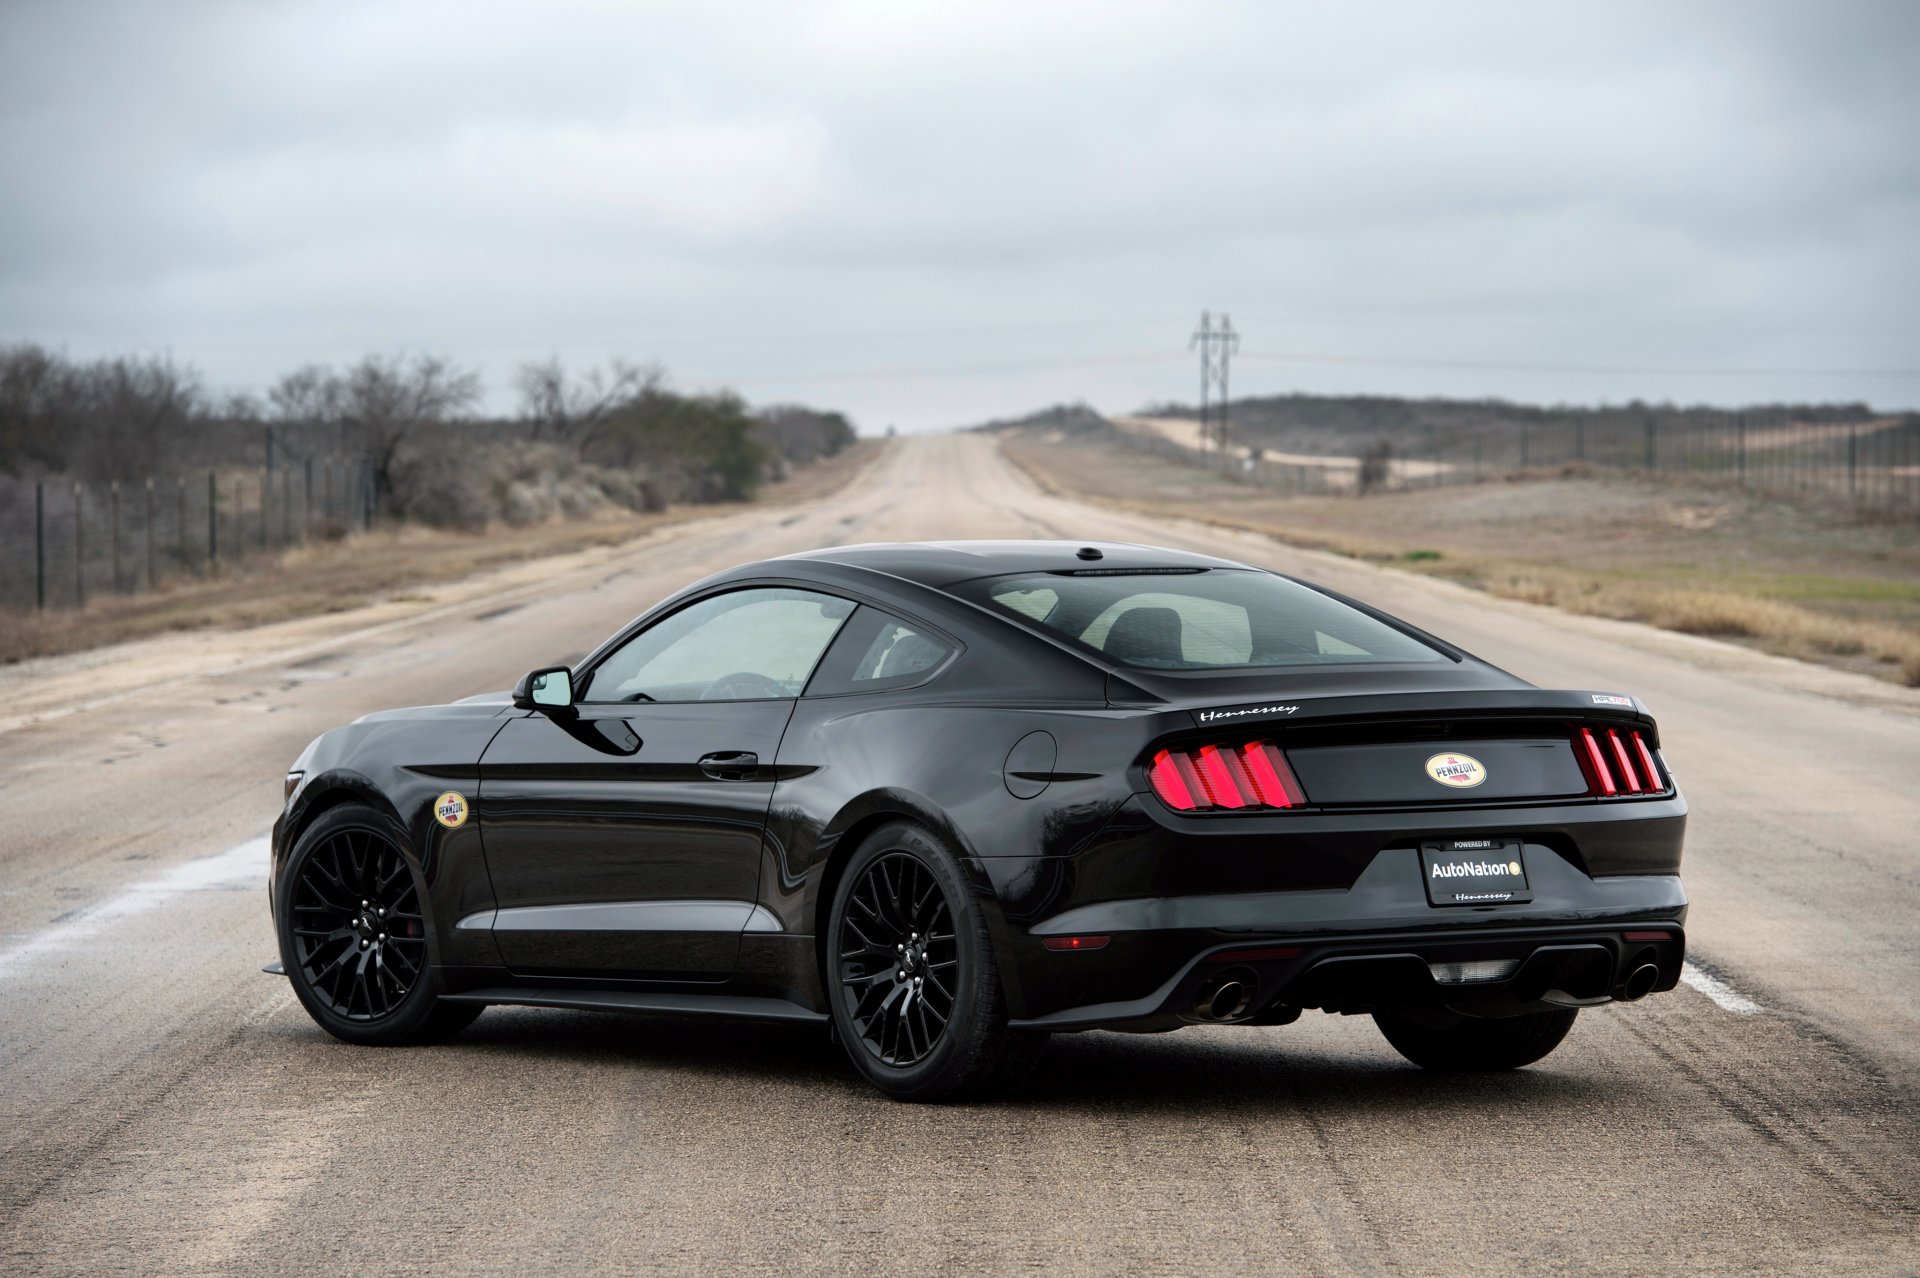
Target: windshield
x=1204 y=619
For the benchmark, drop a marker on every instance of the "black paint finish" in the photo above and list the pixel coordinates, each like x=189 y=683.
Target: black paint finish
x=678 y=856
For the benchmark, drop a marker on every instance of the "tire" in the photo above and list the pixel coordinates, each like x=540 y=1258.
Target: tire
x=353 y=937
x=938 y=1032
x=1473 y=1045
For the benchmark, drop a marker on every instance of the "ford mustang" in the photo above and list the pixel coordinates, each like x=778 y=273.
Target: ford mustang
x=948 y=799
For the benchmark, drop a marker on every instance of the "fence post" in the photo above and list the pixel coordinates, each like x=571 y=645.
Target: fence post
x=79 y=553
x=266 y=488
x=286 y=506
x=40 y=545
x=113 y=528
x=180 y=492
x=213 y=523
x=1740 y=447
x=153 y=579
x=1853 y=461
x=306 y=531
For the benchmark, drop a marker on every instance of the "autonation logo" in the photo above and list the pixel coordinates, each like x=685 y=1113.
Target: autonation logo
x=1474 y=869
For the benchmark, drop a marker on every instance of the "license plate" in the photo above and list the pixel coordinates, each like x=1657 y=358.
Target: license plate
x=1474 y=872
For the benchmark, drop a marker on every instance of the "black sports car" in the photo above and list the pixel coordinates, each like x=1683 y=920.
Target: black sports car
x=951 y=798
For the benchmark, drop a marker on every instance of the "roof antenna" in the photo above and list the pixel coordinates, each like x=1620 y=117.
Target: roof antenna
x=1088 y=552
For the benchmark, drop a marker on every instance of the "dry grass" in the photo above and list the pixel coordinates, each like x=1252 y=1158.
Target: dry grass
x=332 y=576
x=1811 y=584
x=1783 y=628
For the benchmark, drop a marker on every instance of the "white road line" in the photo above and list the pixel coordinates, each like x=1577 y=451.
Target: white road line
x=237 y=868
x=1717 y=990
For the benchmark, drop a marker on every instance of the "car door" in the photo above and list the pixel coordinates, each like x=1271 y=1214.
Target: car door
x=623 y=834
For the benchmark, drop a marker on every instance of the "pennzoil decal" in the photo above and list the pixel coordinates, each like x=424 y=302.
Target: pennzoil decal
x=1208 y=716
x=450 y=809
x=1609 y=699
x=1458 y=771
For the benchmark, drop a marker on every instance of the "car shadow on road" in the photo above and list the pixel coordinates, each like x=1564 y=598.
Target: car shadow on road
x=1248 y=1072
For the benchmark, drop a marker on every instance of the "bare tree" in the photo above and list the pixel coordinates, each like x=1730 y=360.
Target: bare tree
x=578 y=410
x=134 y=412
x=385 y=399
x=34 y=384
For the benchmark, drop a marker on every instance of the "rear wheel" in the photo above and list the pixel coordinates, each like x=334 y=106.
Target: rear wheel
x=915 y=992
x=353 y=935
x=1471 y=1045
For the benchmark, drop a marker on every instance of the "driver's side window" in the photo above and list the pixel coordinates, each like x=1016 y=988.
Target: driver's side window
x=744 y=645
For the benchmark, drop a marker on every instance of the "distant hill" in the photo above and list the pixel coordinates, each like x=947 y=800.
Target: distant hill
x=1343 y=424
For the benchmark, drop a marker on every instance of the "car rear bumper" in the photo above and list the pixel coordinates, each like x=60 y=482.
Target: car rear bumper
x=1273 y=981
x=1378 y=944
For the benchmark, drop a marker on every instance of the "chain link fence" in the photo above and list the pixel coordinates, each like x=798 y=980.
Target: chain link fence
x=1872 y=465
x=64 y=543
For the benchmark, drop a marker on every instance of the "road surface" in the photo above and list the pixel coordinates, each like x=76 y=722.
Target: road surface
x=166 y=1108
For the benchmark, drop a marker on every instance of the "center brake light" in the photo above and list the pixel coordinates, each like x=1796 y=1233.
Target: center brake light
x=1253 y=775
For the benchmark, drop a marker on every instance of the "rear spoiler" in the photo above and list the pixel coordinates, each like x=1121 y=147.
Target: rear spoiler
x=1420 y=705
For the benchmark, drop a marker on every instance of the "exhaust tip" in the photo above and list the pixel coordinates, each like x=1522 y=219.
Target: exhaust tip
x=1639 y=983
x=1225 y=1000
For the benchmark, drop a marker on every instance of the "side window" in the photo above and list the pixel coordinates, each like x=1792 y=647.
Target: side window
x=745 y=645
x=875 y=652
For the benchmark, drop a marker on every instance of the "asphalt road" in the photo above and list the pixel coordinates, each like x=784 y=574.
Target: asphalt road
x=166 y=1108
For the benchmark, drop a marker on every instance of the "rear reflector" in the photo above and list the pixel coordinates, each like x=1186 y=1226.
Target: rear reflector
x=1647 y=936
x=1617 y=761
x=1217 y=777
x=1076 y=942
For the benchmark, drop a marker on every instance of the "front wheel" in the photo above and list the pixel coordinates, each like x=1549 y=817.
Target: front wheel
x=353 y=935
x=1470 y=1045
x=915 y=991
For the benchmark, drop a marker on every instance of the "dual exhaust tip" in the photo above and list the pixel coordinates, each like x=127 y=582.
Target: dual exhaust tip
x=1226 y=997
x=1639 y=983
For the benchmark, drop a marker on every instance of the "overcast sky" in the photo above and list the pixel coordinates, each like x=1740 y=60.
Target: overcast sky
x=929 y=215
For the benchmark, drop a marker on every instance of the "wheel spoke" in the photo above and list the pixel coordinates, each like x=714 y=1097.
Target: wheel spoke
x=891 y=985
x=360 y=938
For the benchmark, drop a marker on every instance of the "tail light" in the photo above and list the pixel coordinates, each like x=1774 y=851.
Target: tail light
x=1618 y=762
x=1253 y=775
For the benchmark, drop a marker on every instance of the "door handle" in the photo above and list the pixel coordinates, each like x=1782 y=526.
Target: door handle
x=730 y=765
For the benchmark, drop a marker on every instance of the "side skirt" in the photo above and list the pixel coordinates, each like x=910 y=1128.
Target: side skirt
x=732 y=1007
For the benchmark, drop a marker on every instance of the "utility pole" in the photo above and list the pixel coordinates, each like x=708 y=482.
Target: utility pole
x=1216 y=344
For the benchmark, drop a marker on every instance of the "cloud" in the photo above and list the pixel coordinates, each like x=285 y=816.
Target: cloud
x=929 y=214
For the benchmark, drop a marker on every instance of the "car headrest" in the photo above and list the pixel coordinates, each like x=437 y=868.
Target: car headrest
x=1146 y=634
x=910 y=654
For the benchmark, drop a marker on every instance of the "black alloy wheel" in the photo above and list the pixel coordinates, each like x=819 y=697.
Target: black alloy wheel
x=913 y=978
x=358 y=935
x=899 y=959
x=353 y=934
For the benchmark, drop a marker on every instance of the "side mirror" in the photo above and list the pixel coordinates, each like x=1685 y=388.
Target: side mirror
x=548 y=689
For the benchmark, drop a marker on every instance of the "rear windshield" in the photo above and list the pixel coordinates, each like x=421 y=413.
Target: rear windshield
x=1212 y=619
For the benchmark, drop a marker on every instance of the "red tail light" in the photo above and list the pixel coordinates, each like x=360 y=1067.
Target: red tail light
x=1618 y=761
x=1254 y=775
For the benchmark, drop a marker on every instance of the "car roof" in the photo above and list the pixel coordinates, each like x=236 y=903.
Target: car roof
x=942 y=563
